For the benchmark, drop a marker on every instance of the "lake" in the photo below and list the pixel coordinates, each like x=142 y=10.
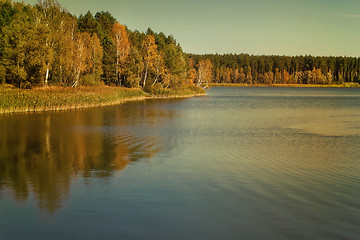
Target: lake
x=239 y=163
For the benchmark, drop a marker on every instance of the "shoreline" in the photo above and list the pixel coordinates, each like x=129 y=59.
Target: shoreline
x=62 y=99
x=344 y=85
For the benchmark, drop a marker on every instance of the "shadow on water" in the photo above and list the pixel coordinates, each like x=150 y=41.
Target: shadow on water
x=41 y=154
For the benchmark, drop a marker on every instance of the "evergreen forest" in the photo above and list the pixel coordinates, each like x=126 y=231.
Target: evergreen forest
x=250 y=69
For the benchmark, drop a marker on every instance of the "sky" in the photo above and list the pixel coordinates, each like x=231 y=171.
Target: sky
x=258 y=27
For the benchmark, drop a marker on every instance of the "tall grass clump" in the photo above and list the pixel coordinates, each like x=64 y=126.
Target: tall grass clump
x=183 y=91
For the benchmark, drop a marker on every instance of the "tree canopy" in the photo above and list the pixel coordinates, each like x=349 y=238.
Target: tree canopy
x=45 y=45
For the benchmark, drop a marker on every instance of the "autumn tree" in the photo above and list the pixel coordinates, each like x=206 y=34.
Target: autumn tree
x=286 y=77
x=329 y=77
x=81 y=56
x=236 y=75
x=49 y=15
x=268 y=78
x=204 y=73
x=133 y=69
x=122 y=46
x=150 y=56
x=249 y=77
x=191 y=72
x=227 y=75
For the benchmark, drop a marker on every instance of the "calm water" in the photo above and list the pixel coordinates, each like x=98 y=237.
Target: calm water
x=240 y=163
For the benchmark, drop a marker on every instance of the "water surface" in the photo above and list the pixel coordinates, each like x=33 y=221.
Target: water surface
x=240 y=163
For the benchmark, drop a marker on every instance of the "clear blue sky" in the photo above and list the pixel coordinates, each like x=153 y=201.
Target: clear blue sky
x=276 y=27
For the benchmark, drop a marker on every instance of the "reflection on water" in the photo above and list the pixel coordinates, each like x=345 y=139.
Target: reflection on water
x=43 y=153
x=240 y=163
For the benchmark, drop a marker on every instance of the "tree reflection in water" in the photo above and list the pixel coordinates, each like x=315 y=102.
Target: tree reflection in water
x=43 y=153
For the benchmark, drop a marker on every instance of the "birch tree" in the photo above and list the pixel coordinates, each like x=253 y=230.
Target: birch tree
x=158 y=68
x=50 y=15
x=122 y=45
x=204 y=73
x=81 y=56
x=95 y=58
x=150 y=55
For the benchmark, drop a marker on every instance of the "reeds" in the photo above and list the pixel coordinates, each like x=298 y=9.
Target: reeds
x=184 y=91
x=60 y=98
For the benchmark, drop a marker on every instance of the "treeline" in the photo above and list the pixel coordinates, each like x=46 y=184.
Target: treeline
x=250 y=69
x=45 y=45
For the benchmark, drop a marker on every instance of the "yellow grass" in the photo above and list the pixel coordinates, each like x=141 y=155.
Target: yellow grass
x=61 y=98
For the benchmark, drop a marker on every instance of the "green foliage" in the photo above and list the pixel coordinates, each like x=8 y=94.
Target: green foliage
x=88 y=23
x=109 y=61
x=7 y=11
x=136 y=38
x=174 y=59
x=105 y=21
x=16 y=44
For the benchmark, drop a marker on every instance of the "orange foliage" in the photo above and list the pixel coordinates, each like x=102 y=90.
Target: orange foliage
x=122 y=44
x=204 y=73
x=150 y=55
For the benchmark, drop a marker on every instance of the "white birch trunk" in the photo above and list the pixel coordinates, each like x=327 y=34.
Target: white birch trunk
x=146 y=73
x=46 y=77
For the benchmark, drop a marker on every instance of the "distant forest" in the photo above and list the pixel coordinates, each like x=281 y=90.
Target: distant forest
x=244 y=68
x=44 y=44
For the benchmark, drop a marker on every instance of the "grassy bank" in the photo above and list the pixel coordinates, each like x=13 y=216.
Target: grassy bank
x=59 y=98
x=344 y=85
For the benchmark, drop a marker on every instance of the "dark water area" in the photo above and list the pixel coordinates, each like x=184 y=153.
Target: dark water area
x=239 y=163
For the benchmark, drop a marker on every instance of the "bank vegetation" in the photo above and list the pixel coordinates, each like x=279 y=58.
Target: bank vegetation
x=63 y=98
